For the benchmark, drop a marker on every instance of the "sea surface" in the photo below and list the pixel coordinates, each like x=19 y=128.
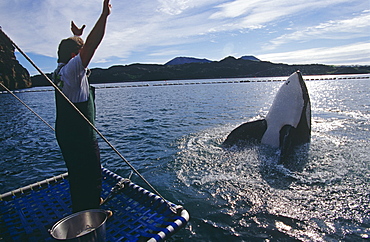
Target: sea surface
x=171 y=131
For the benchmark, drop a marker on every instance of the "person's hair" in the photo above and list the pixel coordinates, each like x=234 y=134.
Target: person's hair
x=67 y=47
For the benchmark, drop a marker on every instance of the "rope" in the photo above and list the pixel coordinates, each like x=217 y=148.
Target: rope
x=85 y=118
x=7 y=89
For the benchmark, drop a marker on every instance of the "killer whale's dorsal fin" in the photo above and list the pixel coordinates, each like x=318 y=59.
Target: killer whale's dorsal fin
x=247 y=132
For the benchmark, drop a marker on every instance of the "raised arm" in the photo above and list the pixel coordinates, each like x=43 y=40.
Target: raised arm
x=96 y=35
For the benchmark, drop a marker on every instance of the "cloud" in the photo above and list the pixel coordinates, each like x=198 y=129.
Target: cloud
x=173 y=7
x=176 y=7
x=352 y=54
x=174 y=26
x=257 y=13
x=125 y=36
x=356 y=27
x=37 y=26
x=166 y=52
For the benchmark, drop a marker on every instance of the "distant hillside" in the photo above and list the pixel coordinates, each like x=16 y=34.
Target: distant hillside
x=229 y=67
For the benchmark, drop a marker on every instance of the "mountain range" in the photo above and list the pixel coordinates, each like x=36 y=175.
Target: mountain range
x=181 y=68
x=187 y=60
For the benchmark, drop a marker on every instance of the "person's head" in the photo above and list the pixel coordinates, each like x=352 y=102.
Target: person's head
x=68 y=48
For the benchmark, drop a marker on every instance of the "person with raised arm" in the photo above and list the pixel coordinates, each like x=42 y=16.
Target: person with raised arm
x=76 y=138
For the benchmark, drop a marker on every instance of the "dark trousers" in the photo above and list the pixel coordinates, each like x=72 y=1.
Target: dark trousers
x=84 y=173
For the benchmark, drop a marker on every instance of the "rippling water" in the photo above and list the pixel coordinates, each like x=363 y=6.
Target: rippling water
x=172 y=135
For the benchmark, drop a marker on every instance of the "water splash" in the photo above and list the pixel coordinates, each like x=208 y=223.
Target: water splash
x=248 y=190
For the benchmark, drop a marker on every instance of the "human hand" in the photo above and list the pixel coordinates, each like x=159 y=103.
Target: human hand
x=106 y=7
x=75 y=30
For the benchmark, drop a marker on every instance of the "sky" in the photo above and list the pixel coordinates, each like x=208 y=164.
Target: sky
x=332 y=32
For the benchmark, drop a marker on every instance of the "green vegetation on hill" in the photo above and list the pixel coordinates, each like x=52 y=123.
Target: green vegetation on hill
x=12 y=74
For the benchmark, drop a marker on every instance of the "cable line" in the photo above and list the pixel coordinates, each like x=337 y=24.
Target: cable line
x=7 y=89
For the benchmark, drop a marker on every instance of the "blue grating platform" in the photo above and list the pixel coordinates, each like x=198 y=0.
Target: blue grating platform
x=26 y=214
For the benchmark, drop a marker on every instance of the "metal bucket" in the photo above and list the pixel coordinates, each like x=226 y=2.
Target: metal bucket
x=86 y=226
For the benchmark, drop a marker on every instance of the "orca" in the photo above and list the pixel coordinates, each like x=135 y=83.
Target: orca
x=286 y=125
